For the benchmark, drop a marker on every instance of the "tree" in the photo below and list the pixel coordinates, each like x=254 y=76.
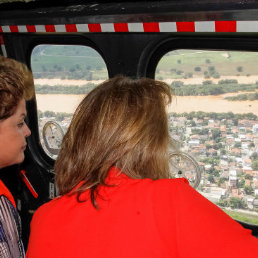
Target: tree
x=254 y=156
x=60 y=116
x=241 y=183
x=223 y=152
x=228 y=81
x=216 y=134
x=72 y=69
x=211 y=178
x=223 y=203
x=237 y=145
x=247 y=176
x=249 y=190
x=206 y=75
x=211 y=68
x=221 y=180
x=255 y=165
x=216 y=75
x=188 y=75
x=179 y=72
x=251 y=145
x=177 y=84
x=197 y=69
x=192 y=123
x=207 y=82
x=240 y=69
x=237 y=203
x=49 y=113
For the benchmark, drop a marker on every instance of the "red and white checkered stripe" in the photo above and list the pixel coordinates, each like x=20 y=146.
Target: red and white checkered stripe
x=197 y=26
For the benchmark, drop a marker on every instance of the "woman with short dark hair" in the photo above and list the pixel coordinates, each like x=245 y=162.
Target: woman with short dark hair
x=16 y=85
x=116 y=199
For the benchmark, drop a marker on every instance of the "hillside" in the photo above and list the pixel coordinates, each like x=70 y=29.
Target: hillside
x=67 y=62
x=81 y=62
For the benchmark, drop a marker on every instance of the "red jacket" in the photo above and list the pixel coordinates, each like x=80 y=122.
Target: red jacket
x=138 y=218
x=4 y=191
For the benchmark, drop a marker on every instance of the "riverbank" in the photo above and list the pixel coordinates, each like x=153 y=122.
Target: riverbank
x=195 y=80
x=180 y=104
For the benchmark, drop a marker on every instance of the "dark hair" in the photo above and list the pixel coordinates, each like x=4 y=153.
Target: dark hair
x=16 y=82
x=121 y=123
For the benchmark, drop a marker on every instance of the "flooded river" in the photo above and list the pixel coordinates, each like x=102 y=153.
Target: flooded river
x=180 y=104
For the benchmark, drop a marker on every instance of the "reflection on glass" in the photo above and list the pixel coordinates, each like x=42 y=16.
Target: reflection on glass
x=214 y=116
x=63 y=75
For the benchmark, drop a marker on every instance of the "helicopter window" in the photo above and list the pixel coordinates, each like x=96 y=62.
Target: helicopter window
x=63 y=74
x=213 y=119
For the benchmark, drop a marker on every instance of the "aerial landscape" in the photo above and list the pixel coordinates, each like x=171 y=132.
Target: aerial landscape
x=213 y=115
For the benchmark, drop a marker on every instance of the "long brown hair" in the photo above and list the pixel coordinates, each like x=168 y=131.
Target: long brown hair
x=121 y=123
x=16 y=82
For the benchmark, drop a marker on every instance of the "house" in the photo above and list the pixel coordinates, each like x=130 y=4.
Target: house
x=194 y=142
x=233 y=181
x=248 y=170
x=237 y=193
x=255 y=129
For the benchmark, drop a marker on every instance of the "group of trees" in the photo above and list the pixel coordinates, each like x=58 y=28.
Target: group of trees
x=71 y=74
x=216 y=116
x=59 y=116
x=59 y=89
x=211 y=72
x=210 y=88
x=242 y=97
x=177 y=72
x=235 y=203
x=254 y=159
x=67 y=62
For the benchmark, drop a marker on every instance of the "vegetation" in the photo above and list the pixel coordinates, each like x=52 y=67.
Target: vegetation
x=224 y=63
x=248 y=190
x=237 y=203
x=223 y=86
x=245 y=217
x=255 y=165
x=59 y=89
x=217 y=116
x=59 y=116
x=66 y=62
x=242 y=97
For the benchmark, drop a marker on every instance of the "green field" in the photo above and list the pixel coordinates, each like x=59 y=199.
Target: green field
x=225 y=63
x=82 y=62
x=67 y=62
x=245 y=217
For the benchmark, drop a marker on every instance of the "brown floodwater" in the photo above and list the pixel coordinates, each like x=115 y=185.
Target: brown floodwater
x=180 y=104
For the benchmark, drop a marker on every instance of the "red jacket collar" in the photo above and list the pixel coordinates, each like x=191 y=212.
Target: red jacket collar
x=4 y=191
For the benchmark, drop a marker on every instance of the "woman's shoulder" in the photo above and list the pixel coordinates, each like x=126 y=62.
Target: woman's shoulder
x=48 y=208
x=167 y=184
x=159 y=189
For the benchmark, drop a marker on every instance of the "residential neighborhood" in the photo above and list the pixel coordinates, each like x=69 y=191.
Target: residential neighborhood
x=227 y=153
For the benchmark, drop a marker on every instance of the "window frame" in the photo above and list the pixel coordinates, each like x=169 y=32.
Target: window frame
x=219 y=42
x=37 y=151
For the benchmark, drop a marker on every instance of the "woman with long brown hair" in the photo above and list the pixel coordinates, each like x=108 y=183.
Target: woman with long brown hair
x=116 y=198
x=16 y=86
